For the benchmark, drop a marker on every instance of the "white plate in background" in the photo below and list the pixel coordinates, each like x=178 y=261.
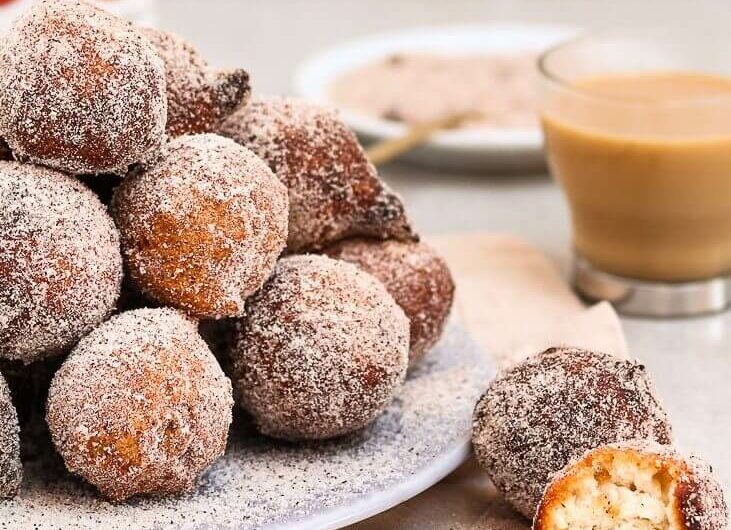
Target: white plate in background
x=477 y=149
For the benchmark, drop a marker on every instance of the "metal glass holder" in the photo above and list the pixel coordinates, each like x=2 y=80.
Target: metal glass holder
x=652 y=299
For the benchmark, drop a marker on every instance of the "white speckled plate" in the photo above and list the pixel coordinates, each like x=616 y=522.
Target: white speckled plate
x=476 y=149
x=265 y=484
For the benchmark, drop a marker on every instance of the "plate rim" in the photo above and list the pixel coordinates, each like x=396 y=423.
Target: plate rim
x=310 y=82
x=379 y=502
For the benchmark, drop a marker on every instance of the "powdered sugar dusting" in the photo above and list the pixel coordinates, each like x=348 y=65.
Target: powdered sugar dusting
x=540 y=414
x=198 y=96
x=334 y=191
x=202 y=230
x=11 y=470
x=260 y=482
x=60 y=263
x=321 y=351
x=141 y=405
x=81 y=90
x=417 y=278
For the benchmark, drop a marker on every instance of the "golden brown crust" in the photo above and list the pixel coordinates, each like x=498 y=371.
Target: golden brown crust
x=140 y=406
x=417 y=278
x=334 y=191
x=538 y=415
x=203 y=229
x=199 y=97
x=696 y=500
x=322 y=350
x=83 y=91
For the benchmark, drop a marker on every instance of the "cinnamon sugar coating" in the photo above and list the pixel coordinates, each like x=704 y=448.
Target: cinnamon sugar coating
x=321 y=351
x=538 y=415
x=81 y=90
x=199 y=97
x=334 y=191
x=11 y=470
x=636 y=482
x=417 y=278
x=140 y=407
x=202 y=230
x=60 y=262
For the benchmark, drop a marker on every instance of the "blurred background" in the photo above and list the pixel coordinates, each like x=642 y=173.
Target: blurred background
x=271 y=38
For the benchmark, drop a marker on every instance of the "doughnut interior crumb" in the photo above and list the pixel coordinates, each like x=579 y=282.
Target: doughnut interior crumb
x=620 y=491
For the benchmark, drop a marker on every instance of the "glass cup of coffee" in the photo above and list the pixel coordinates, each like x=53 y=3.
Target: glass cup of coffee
x=638 y=134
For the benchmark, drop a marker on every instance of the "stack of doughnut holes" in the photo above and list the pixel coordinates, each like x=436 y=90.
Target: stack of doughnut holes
x=143 y=194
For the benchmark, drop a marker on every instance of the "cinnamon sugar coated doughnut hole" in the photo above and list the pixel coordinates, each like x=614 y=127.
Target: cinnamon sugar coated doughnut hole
x=81 y=90
x=417 y=278
x=541 y=413
x=140 y=407
x=60 y=262
x=634 y=485
x=199 y=97
x=334 y=191
x=202 y=230
x=11 y=470
x=321 y=351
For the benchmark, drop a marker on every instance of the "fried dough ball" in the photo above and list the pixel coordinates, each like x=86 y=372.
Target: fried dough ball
x=321 y=351
x=199 y=97
x=334 y=191
x=81 y=90
x=417 y=278
x=538 y=415
x=202 y=230
x=60 y=262
x=637 y=484
x=140 y=407
x=11 y=470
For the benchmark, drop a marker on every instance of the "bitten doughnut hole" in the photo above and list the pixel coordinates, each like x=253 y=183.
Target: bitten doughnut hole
x=540 y=414
x=634 y=486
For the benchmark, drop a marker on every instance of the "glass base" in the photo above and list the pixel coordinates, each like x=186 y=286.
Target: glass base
x=652 y=299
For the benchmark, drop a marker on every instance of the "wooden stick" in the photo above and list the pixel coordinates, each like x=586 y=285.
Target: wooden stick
x=386 y=151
